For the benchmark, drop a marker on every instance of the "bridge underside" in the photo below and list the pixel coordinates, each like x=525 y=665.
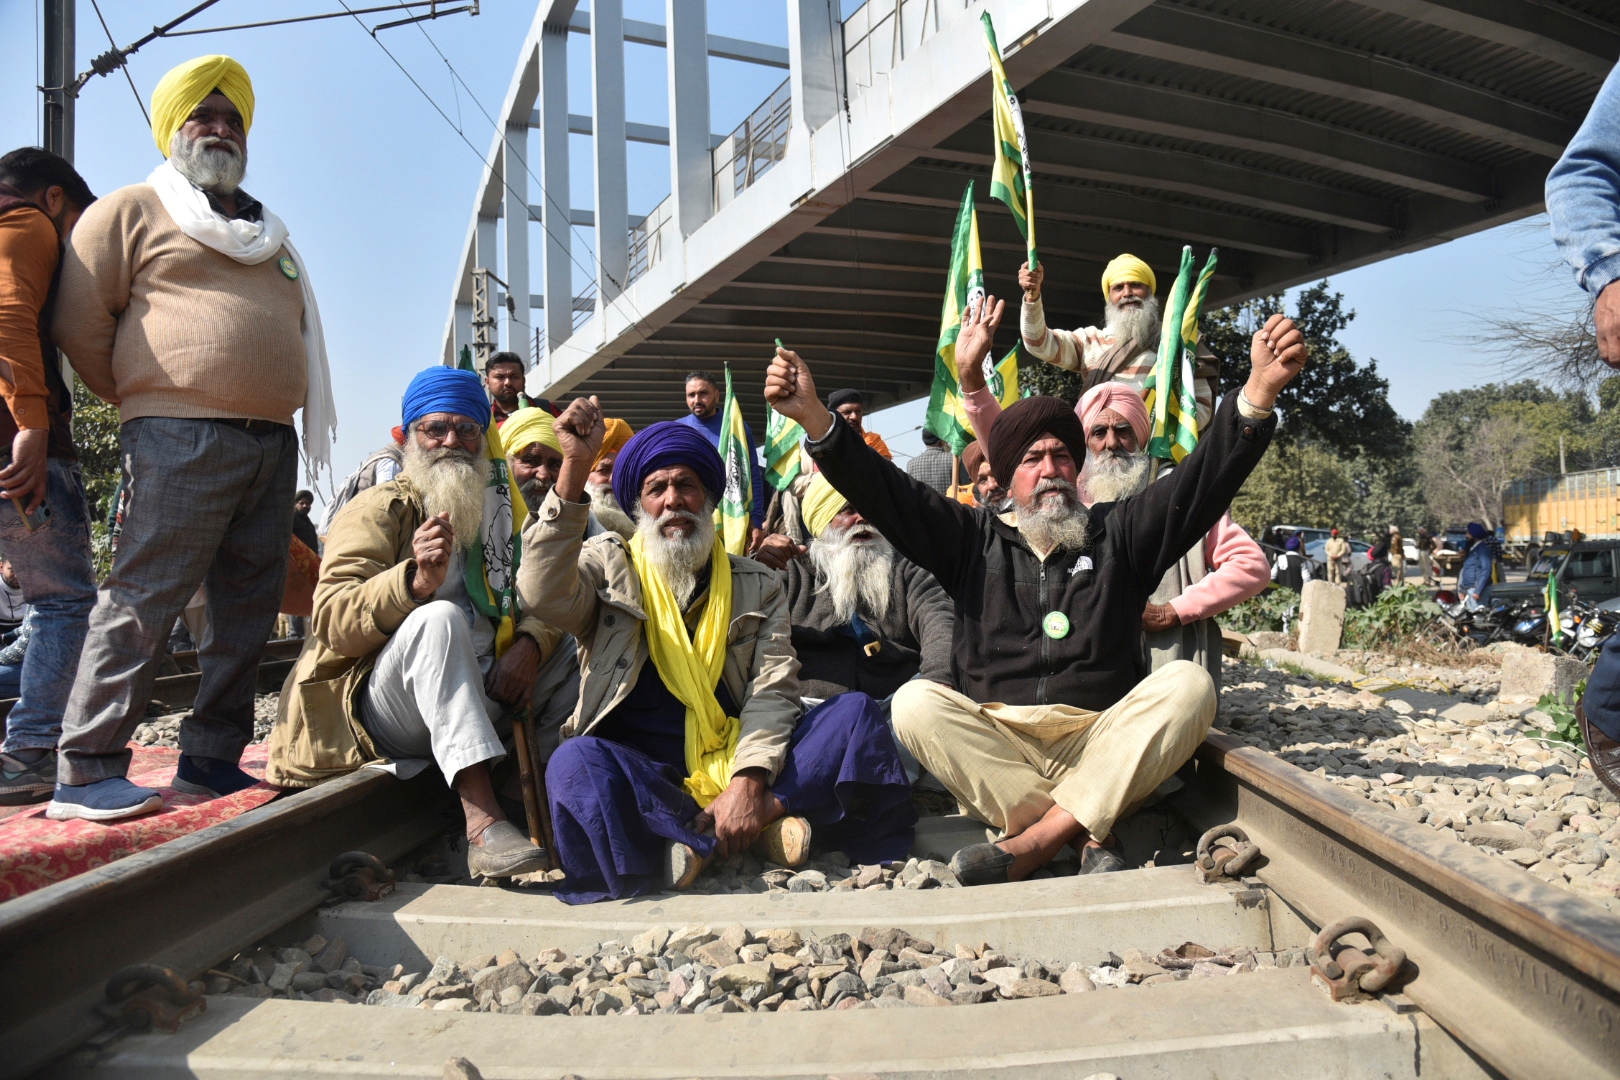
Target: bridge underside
x=1301 y=137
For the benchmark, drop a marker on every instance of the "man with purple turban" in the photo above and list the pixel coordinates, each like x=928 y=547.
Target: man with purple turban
x=419 y=649
x=1058 y=728
x=690 y=740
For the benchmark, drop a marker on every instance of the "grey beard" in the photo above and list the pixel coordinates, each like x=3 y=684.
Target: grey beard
x=1051 y=525
x=678 y=559
x=855 y=575
x=1138 y=324
x=1110 y=477
x=452 y=482
x=608 y=511
x=534 y=492
x=212 y=164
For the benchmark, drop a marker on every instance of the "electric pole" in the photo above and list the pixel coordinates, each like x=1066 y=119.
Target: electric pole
x=59 y=73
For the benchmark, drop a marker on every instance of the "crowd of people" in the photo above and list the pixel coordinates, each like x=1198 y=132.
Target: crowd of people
x=1030 y=628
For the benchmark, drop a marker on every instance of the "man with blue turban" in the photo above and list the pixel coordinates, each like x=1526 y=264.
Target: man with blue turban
x=183 y=301
x=419 y=647
x=690 y=740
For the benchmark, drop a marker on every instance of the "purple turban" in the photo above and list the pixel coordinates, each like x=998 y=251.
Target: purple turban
x=658 y=446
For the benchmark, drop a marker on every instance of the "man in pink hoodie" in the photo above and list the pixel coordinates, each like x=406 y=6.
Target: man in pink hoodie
x=1217 y=575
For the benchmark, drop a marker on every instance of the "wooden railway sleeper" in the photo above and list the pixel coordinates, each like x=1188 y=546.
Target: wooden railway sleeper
x=1224 y=852
x=1352 y=974
x=358 y=875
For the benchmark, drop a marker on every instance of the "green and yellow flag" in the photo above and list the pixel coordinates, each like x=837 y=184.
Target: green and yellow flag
x=783 y=439
x=466 y=363
x=1555 y=621
x=1169 y=391
x=1010 y=179
x=964 y=287
x=737 y=503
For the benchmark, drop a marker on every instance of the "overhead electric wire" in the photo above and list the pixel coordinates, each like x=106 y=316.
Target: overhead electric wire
x=138 y=102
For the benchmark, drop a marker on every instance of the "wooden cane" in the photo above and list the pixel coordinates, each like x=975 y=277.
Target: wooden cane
x=542 y=801
x=531 y=805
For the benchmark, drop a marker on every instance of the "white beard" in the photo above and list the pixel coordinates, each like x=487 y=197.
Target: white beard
x=855 y=574
x=216 y=165
x=1138 y=324
x=678 y=559
x=451 y=482
x=1053 y=524
x=1110 y=477
x=608 y=511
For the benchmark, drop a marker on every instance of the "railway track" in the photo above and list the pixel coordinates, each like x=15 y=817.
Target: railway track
x=1504 y=975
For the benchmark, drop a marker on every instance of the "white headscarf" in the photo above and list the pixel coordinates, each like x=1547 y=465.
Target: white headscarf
x=251 y=243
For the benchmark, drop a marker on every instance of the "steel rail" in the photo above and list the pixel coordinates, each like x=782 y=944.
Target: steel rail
x=1525 y=975
x=190 y=903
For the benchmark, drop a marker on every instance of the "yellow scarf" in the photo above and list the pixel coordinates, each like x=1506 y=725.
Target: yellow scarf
x=690 y=666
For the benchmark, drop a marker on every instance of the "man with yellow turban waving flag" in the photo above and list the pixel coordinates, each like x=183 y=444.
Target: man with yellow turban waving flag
x=1011 y=179
x=690 y=740
x=183 y=300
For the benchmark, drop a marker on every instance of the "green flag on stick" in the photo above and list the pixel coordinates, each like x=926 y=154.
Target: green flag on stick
x=964 y=288
x=1010 y=178
x=783 y=438
x=1169 y=390
x=737 y=503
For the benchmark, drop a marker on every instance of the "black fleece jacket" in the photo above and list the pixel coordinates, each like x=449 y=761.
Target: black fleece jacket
x=1003 y=592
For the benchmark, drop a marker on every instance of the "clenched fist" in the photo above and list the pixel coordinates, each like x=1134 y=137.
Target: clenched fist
x=1276 y=354
x=791 y=391
x=580 y=430
x=431 y=546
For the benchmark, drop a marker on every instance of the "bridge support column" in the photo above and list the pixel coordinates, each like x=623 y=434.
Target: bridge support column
x=691 y=166
x=817 y=62
x=612 y=194
x=515 y=182
x=559 y=272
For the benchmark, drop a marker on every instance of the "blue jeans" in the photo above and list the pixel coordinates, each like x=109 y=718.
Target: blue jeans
x=53 y=564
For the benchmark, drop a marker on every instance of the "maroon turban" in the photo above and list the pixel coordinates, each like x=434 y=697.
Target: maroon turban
x=972 y=457
x=1023 y=423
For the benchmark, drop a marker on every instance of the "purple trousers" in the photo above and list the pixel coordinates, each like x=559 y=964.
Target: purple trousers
x=613 y=807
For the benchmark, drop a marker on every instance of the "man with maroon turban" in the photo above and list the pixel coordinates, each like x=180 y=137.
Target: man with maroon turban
x=1057 y=731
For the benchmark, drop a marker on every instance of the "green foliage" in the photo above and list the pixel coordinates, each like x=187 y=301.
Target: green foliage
x=1037 y=377
x=1389 y=491
x=1301 y=485
x=1566 y=726
x=1271 y=610
x=95 y=432
x=1393 y=619
x=1334 y=402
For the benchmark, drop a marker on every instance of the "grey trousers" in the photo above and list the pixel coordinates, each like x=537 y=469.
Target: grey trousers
x=425 y=695
x=208 y=504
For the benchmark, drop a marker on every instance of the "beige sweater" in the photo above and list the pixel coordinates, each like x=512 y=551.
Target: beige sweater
x=160 y=325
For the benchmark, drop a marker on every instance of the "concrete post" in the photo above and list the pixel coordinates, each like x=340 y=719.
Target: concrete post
x=815 y=51
x=612 y=193
x=559 y=271
x=515 y=177
x=690 y=165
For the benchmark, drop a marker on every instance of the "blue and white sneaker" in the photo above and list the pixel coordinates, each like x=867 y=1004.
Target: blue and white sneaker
x=23 y=782
x=211 y=778
x=104 y=800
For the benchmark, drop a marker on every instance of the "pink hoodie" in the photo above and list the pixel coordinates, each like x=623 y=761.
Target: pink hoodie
x=1237 y=567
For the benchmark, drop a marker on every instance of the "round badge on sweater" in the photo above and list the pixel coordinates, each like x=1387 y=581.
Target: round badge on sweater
x=289 y=267
x=1056 y=624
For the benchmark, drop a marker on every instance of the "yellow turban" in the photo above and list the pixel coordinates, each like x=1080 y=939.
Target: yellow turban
x=618 y=433
x=822 y=502
x=1128 y=268
x=528 y=426
x=184 y=87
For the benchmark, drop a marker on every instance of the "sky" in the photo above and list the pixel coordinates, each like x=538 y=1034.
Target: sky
x=376 y=185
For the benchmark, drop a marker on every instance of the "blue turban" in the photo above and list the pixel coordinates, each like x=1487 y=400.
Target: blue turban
x=1476 y=531
x=446 y=390
x=658 y=446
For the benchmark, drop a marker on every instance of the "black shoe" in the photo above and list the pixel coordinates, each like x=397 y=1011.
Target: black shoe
x=22 y=783
x=981 y=864
x=1100 y=860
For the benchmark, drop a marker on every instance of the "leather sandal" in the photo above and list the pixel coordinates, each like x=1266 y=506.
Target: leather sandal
x=785 y=842
x=981 y=864
x=1100 y=860
x=505 y=852
x=1603 y=751
x=682 y=865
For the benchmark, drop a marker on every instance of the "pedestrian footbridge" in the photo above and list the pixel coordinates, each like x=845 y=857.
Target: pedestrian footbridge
x=1301 y=137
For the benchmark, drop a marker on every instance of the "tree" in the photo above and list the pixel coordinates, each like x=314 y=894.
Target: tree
x=95 y=433
x=1302 y=485
x=1465 y=472
x=1334 y=401
x=1389 y=491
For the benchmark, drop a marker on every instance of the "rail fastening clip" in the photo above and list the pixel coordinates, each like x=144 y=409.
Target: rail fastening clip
x=1352 y=974
x=150 y=995
x=1224 y=851
x=357 y=875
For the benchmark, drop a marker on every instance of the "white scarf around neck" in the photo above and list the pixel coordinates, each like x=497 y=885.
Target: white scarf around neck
x=251 y=243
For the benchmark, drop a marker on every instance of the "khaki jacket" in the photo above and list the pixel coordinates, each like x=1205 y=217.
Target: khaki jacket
x=590 y=589
x=360 y=601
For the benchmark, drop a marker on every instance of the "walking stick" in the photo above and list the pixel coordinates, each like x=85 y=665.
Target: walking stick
x=544 y=804
x=531 y=805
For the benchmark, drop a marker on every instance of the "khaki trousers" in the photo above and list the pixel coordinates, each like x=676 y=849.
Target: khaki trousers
x=1008 y=764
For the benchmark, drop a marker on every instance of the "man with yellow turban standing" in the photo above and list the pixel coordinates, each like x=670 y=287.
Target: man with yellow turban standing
x=689 y=740
x=1125 y=348
x=183 y=302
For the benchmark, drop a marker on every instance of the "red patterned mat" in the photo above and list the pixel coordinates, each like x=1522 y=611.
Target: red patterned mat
x=36 y=852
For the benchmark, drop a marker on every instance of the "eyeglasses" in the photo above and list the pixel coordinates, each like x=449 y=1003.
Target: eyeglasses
x=438 y=430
